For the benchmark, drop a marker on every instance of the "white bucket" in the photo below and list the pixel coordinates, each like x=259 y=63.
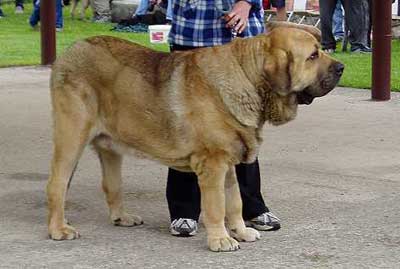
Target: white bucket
x=159 y=33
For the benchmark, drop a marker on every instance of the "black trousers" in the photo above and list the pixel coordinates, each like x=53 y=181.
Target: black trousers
x=357 y=15
x=183 y=192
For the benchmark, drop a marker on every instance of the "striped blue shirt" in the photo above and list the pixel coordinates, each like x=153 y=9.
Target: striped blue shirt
x=200 y=23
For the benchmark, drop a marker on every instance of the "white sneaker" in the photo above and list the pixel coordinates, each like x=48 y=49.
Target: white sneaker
x=19 y=10
x=265 y=222
x=183 y=227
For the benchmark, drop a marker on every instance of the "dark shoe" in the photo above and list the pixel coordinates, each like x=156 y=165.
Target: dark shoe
x=136 y=19
x=1 y=13
x=361 y=49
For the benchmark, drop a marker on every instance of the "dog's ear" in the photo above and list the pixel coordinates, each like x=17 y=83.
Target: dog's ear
x=277 y=71
x=243 y=102
x=269 y=26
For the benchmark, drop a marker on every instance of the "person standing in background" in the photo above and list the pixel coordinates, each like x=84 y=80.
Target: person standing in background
x=338 y=20
x=101 y=11
x=145 y=5
x=280 y=6
x=357 y=20
x=19 y=8
x=35 y=16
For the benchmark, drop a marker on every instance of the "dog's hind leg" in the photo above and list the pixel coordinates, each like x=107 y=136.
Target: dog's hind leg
x=234 y=210
x=72 y=131
x=111 y=168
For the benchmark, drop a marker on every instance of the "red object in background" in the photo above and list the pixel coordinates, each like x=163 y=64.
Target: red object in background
x=266 y=4
x=157 y=36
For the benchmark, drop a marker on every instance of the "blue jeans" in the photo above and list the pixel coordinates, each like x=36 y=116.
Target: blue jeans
x=35 y=17
x=337 y=24
x=144 y=6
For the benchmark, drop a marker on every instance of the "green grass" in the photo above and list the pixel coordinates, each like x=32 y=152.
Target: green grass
x=20 y=45
x=357 y=73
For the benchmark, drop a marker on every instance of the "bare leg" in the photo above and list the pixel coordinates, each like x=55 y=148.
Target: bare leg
x=234 y=210
x=111 y=167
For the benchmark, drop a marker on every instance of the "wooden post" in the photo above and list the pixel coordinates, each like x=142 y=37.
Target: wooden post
x=48 y=31
x=381 y=49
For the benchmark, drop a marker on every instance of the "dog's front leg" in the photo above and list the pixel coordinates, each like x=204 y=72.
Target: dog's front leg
x=211 y=173
x=234 y=210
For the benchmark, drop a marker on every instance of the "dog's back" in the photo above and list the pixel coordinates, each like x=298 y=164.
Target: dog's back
x=124 y=88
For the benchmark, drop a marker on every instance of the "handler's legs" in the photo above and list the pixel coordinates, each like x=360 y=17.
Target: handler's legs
x=183 y=196
x=326 y=9
x=358 y=22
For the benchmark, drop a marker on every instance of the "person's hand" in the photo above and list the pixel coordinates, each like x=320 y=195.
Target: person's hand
x=153 y=2
x=237 y=18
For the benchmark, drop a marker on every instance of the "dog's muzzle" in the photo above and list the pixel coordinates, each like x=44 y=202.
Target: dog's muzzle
x=327 y=84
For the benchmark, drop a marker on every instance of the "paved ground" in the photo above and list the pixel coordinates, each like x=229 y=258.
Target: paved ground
x=332 y=176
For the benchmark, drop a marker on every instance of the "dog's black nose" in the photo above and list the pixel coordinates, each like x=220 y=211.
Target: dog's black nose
x=339 y=67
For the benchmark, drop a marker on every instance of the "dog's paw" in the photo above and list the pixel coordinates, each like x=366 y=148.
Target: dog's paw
x=223 y=244
x=246 y=235
x=127 y=220
x=66 y=232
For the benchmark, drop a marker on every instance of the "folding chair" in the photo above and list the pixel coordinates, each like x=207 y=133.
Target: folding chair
x=300 y=8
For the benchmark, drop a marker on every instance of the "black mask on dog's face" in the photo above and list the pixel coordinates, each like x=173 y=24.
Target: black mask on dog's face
x=295 y=64
x=326 y=83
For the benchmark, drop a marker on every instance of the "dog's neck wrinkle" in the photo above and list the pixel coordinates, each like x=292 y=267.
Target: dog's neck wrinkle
x=279 y=109
x=249 y=54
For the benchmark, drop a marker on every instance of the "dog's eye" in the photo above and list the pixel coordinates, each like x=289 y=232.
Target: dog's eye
x=313 y=56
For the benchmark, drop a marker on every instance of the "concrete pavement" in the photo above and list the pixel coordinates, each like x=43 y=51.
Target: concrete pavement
x=332 y=176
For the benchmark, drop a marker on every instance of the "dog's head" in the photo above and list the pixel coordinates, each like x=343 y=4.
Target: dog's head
x=295 y=65
x=278 y=71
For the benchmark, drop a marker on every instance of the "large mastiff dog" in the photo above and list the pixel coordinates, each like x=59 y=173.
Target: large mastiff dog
x=200 y=110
